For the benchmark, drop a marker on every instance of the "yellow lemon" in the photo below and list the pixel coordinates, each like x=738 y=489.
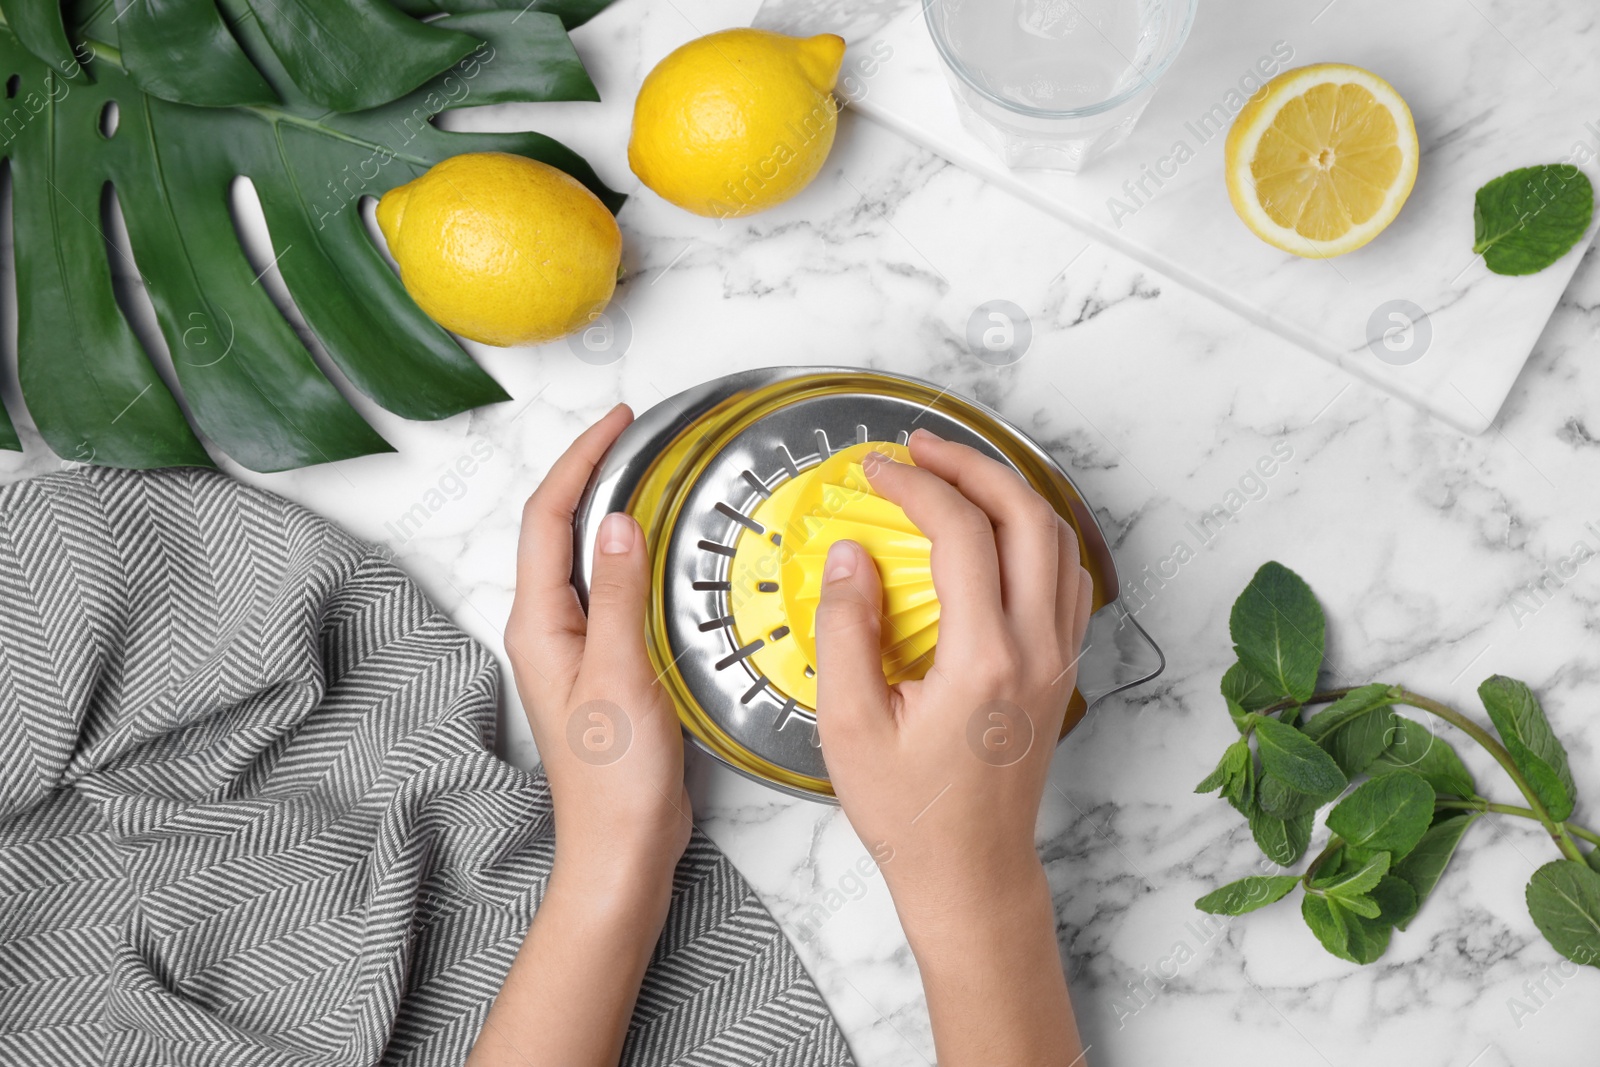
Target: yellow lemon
x=737 y=121
x=502 y=249
x=1321 y=159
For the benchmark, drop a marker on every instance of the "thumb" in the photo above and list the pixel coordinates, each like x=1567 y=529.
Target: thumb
x=852 y=693
x=614 y=652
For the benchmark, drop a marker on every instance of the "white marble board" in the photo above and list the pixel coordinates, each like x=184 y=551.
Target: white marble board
x=1493 y=84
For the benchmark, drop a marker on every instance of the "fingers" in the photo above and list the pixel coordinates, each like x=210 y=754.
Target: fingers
x=852 y=693
x=1026 y=527
x=614 y=656
x=1071 y=578
x=965 y=563
x=545 y=615
x=1080 y=622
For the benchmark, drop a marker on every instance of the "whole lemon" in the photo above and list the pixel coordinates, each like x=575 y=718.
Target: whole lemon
x=502 y=249
x=737 y=121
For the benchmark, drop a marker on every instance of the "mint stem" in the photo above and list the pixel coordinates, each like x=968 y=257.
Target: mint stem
x=1560 y=833
x=1512 y=809
x=1557 y=831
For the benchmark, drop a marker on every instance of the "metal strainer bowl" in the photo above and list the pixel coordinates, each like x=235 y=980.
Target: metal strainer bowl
x=695 y=468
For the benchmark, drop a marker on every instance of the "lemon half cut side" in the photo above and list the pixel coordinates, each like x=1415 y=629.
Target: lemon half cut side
x=1322 y=159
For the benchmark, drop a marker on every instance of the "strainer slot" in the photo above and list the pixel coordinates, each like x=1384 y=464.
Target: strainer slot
x=789 y=709
x=823 y=448
x=738 y=654
x=751 y=693
x=739 y=517
x=787 y=459
x=792 y=710
x=716 y=624
x=755 y=483
x=713 y=546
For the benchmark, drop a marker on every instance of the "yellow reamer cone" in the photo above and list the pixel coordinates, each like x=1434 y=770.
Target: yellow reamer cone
x=776 y=575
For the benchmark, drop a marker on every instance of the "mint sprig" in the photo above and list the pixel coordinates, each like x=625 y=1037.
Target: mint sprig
x=1527 y=219
x=1391 y=836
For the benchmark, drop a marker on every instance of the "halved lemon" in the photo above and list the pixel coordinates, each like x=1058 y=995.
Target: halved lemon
x=1321 y=159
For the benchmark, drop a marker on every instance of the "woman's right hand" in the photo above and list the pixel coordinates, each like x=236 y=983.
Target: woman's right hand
x=942 y=777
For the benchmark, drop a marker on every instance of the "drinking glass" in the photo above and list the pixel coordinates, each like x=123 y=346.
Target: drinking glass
x=1054 y=83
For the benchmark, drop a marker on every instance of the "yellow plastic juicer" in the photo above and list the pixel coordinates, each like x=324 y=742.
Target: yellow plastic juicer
x=742 y=484
x=776 y=576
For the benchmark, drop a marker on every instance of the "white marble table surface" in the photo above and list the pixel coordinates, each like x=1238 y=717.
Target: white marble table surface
x=1419 y=541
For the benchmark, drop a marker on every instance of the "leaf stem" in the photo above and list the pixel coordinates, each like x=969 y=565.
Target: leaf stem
x=1558 y=831
x=108 y=52
x=1511 y=809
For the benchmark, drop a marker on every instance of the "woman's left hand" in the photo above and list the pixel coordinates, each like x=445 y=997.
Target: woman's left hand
x=605 y=728
x=613 y=752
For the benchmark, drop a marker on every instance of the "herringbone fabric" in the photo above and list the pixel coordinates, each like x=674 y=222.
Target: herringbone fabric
x=249 y=814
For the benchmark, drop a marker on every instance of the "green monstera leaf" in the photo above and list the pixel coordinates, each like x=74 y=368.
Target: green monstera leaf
x=346 y=55
x=82 y=129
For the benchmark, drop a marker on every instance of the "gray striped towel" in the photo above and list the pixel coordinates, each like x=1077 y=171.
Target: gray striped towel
x=249 y=814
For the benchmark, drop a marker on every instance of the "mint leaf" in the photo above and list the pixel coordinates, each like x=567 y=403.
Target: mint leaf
x=1246 y=688
x=1277 y=630
x=1520 y=722
x=1326 y=920
x=1564 y=900
x=1425 y=864
x=1283 y=841
x=1357 y=728
x=1397 y=901
x=1526 y=220
x=1388 y=814
x=1285 y=801
x=1594 y=858
x=1369 y=937
x=1415 y=748
x=1223 y=770
x=1291 y=756
x=1353 y=936
x=1353 y=704
x=1356 y=745
x=1245 y=691
x=1358 y=904
x=1357 y=881
x=1336 y=865
x=1247 y=894
x=1239 y=715
x=1235 y=776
